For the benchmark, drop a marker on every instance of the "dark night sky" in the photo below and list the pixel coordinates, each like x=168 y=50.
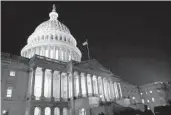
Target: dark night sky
x=132 y=39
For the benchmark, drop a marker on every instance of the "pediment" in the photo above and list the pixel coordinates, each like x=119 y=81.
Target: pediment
x=93 y=65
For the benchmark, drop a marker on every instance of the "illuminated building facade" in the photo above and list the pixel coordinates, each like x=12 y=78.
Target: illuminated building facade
x=49 y=78
x=155 y=94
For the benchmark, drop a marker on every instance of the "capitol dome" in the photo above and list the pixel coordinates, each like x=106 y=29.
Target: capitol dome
x=52 y=39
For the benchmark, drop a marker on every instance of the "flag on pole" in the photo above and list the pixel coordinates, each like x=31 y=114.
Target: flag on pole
x=85 y=43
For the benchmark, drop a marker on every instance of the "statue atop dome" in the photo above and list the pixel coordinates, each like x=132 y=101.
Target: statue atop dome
x=53 y=15
x=54 y=8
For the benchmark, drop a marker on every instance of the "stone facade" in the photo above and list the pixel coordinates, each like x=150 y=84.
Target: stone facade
x=93 y=98
x=49 y=78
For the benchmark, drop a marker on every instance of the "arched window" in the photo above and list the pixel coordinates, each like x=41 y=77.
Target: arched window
x=60 y=37
x=83 y=85
x=47 y=111
x=64 y=38
x=37 y=111
x=65 y=111
x=47 y=84
x=51 y=37
x=38 y=82
x=76 y=84
x=56 y=111
x=89 y=84
x=56 y=38
x=56 y=85
x=82 y=111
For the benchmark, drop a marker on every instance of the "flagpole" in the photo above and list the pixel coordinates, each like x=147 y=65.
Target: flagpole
x=88 y=50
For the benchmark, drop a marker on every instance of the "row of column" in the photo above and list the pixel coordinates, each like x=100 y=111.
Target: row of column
x=52 y=52
x=49 y=111
x=52 y=37
x=55 y=84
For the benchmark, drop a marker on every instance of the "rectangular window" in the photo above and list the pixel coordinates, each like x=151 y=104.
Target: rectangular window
x=153 y=99
x=9 y=92
x=143 y=101
x=12 y=73
x=148 y=101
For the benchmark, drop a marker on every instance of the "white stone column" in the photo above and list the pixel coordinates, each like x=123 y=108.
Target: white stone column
x=60 y=73
x=43 y=82
x=54 y=53
x=33 y=82
x=43 y=51
x=48 y=51
x=119 y=90
x=98 y=86
x=67 y=85
x=52 y=98
x=79 y=77
x=92 y=85
x=85 y=75
x=64 y=54
x=59 y=54
x=103 y=88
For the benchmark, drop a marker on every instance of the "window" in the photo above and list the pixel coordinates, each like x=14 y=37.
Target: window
x=37 y=111
x=158 y=90
x=65 y=111
x=38 y=82
x=57 y=111
x=150 y=91
x=148 y=101
x=143 y=101
x=153 y=99
x=9 y=92
x=12 y=73
x=82 y=111
x=4 y=112
x=146 y=92
x=141 y=93
x=47 y=111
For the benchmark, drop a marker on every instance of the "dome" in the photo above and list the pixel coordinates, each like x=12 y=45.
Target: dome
x=52 y=39
x=52 y=25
